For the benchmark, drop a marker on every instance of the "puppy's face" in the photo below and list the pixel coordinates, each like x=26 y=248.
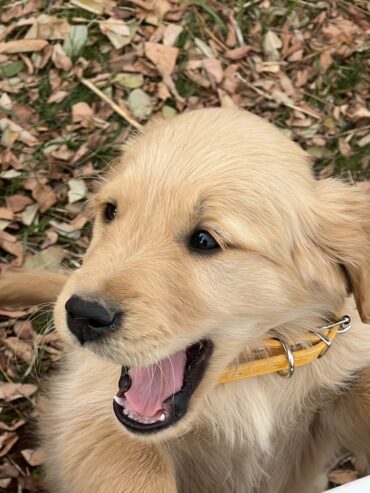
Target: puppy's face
x=196 y=254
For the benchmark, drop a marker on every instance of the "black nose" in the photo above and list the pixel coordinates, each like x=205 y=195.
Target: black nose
x=90 y=320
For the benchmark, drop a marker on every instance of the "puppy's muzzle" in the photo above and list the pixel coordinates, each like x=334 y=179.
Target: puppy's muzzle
x=91 y=320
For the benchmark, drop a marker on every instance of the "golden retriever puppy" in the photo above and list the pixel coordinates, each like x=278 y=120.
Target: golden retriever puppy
x=211 y=235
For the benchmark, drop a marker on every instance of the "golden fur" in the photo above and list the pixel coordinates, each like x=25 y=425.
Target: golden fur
x=287 y=240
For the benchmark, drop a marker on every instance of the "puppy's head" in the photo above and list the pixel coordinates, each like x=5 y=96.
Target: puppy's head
x=208 y=233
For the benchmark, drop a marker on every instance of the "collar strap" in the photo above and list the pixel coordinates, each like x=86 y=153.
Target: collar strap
x=283 y=358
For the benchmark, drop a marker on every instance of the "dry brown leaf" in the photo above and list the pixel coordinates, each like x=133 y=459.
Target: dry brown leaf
x=117 y=31
x=163 y=57
x=45 y=196
x=48 y=27
x=238 y=53
x=23 y=329
x=326 y=60
x=8 y=471
x=10 y=244
x=16 y=203
x=23 y=46
x=344 y=147
x=29 y=214
x=171 y=34
x=7 y=441
x=93 y=6
x=13 y=313
x=213 y=68
x=343 y=476
x=82 y=113
x=12 y=391
x=20 y=10
x=57 y=97
x=360 y=112
x=34 y=457
x=60 y=59
x=21 y=349
x=12 y=132
x=14 y=426
x=6 y=214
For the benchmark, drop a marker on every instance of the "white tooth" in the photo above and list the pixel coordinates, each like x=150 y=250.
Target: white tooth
x=125 y=411
x=162 y=417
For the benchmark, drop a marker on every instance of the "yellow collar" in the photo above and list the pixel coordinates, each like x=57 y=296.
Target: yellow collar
x=282 y=357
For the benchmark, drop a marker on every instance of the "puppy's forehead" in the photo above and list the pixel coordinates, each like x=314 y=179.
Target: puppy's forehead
x=224 y=155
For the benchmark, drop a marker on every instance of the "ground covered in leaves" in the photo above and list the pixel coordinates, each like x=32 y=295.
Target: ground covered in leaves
x=76 y=76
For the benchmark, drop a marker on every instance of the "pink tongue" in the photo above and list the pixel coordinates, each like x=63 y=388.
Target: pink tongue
x=152 y=385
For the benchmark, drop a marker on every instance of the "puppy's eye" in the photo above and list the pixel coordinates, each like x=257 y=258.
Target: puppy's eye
x=202 y=241
x=110 y=212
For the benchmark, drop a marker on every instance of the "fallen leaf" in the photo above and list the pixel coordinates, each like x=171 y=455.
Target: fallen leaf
x=77 y=190
x=93 y=6
x=15 y=424
x=8 y=471
x=75 y=40
x=131 y=81
x=82 y=113
x=12 y=391
x=10 y=244
x=13 y=313
x=10 y=174
x=60 y=59
x=325 y=60
x=117 y=31
x=45 y=196
x=344 y=147
x=360 y=112
x=30 y=483
x=271 y=45
x=214 y=68
x=23 y=45
x=139 y=103
x=282 y=98
x=57 y=97
x=168 y=112
x=34 y=457
x=163 y=57
x=21 y=349
x=6 y=214
x=204 y=48
x=364 y=141
x=29 y=214
x=48 y=259
x=5 y=101
x=171 y=34
x=238 y=53
x=342 y=476
x=23 y=329
x=48 y=27
x=16 y=203
x=20 y=10
x=12 y=132
x=7 y=441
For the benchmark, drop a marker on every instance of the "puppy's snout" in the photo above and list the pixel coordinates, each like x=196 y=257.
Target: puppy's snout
x=90 y=320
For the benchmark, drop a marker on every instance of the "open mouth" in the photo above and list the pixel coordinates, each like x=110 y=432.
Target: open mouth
x=153 y=398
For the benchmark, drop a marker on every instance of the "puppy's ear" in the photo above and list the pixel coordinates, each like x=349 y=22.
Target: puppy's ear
x=344 y=234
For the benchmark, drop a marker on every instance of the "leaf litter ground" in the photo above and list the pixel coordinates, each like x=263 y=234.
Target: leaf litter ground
x=77 y=76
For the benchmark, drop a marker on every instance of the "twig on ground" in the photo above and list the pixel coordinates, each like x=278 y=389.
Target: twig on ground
x=111 y=103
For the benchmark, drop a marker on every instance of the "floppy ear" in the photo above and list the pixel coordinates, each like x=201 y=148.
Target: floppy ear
x=344 y=234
